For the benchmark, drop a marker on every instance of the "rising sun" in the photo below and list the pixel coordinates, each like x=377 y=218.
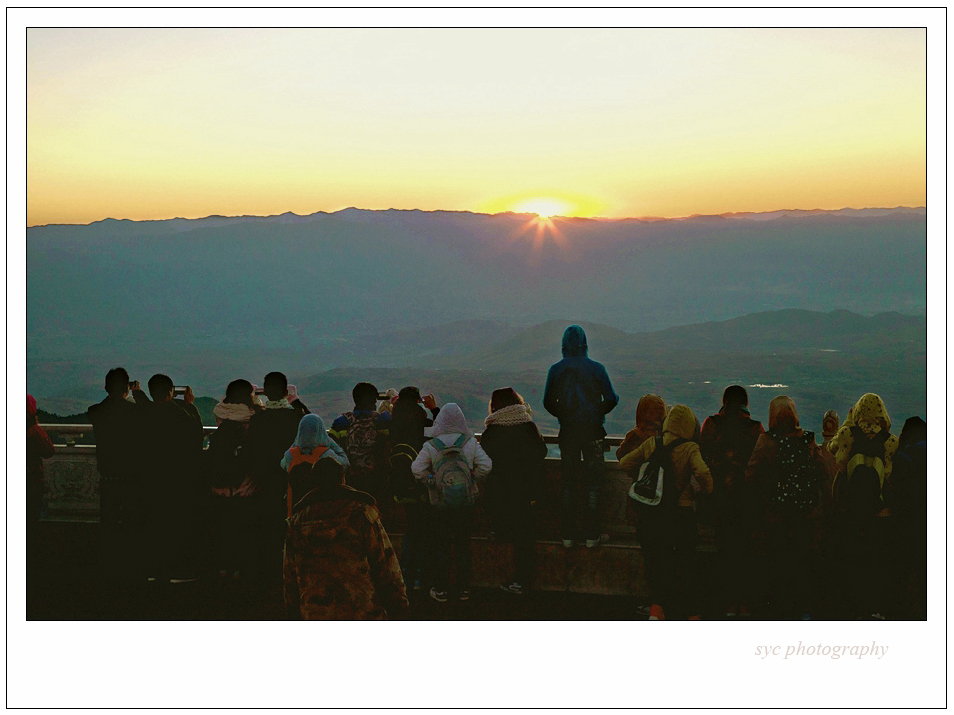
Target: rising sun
x=543 y=207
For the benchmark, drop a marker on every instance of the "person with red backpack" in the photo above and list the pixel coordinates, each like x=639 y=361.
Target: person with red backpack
x=864 y=449
x=786 y=471
x=727 y=440
x=449 y=465
x=363 y=433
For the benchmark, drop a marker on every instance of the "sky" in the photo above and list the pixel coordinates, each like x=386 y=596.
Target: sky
x=159 y=123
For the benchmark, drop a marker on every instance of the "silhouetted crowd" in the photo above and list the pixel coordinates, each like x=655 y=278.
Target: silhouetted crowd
x=275 y=492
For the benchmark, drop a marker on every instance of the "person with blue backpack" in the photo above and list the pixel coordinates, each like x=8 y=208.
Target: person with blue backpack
x=449 y=465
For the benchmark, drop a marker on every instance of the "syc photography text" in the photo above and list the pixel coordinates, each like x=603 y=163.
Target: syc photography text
x=826 y=651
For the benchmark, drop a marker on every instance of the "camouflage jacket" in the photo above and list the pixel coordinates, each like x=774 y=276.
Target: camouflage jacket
x=339 y=563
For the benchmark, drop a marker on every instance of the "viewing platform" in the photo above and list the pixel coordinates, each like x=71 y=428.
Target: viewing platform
x=605 y=582
x=614 y=568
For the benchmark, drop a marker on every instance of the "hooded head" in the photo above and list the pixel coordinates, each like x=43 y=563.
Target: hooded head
x=914 y=430
x=650 y=415
x=680 y=422
x=574 y=342
x=311 y=434
x=830 y=423
x=783 y=419
x=31 y=405
x=450 y=420
x=870 y=414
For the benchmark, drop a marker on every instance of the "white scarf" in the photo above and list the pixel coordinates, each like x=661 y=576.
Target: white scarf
x=236 y=412
x=510 y=415
x=281 y=404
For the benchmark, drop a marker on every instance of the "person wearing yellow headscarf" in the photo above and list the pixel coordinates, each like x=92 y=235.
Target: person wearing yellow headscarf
x=668 y=530
x=864 y=535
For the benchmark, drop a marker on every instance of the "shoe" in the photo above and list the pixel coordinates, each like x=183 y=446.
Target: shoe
x=568 y=543
x=590 y=543
x=744 y=612
x=514 y=588
x=806 y=616
x=876 y=617
x=187 y=579
x=464 y=595
x=694 y=618
x=417 y=584
x=642 y=610
x=656 y=613
x=732 y=612
x=439 y=596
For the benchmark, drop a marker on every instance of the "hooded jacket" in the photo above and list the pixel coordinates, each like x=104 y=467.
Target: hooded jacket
x=339 y=563
x=727 y=440
x=686 y=458
x=312 y=434
x=448 y=427
x=870 y=414
x=578 y=391
x=650 y=415
x=762 y=469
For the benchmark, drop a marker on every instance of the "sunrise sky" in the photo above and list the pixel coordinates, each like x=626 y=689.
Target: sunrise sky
x=153 y=123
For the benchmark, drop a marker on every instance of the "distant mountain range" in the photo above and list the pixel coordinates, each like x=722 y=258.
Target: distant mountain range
x=300 y=283
x=823 y=360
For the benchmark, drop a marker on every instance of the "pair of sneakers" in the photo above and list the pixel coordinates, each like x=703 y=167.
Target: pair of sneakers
x=441 y=596
x=590 y=543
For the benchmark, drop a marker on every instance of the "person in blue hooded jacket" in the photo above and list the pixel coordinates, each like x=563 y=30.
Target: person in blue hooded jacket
x=579 y=394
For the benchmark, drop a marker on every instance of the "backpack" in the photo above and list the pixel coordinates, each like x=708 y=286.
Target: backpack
x=731 y=450
x=362 y=443
x=796 y=490
x=227 y=466
x=299 y=473
x=656 y=482
x=862 y=495
x=404 y=488
x=452 y=476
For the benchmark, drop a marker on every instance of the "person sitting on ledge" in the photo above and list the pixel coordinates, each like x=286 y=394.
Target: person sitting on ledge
x=339 y=563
